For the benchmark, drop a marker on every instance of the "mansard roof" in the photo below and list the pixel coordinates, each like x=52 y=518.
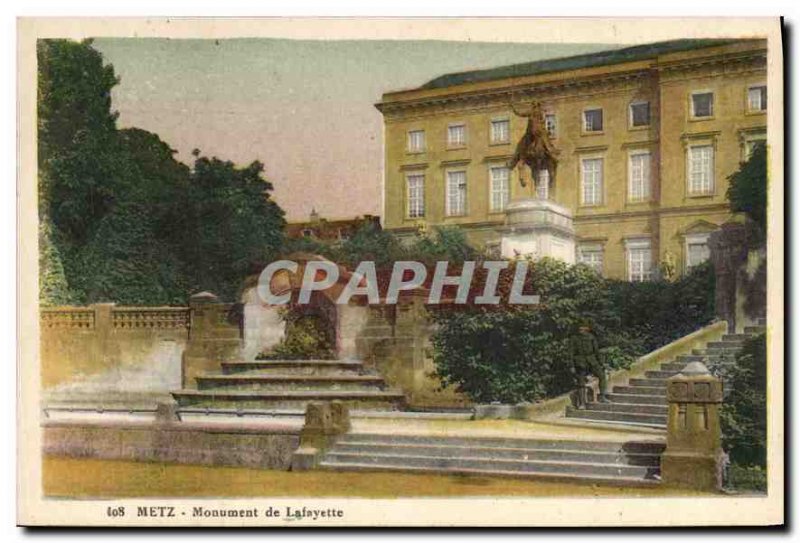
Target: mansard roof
x=588 y=60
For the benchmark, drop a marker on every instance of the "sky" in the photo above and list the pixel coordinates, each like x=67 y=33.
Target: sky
x=304 y=108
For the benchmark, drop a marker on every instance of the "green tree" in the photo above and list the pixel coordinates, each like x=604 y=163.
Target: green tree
x=120 y=218
x=520 y=353
x=747 y=191
x=744 y=415
x=232 y=227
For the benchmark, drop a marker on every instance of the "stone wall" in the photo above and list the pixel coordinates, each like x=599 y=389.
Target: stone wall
x=104 y=349
x=395 y=341
x=182 y=443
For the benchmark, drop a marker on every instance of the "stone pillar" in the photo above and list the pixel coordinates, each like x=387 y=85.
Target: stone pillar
x=693 y=457
x=214 y=336
x=325 y=421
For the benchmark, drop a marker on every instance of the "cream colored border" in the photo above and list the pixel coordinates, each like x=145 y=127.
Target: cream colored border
x=34 y=510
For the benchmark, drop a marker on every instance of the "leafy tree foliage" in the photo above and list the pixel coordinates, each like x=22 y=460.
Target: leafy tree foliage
x=744 y=412
x=660 y=311
x=121 y=219
x=519 y=353
x=511 y=354
x=747 y=191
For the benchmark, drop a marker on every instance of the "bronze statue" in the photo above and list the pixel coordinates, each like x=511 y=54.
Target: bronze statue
x=535 y=148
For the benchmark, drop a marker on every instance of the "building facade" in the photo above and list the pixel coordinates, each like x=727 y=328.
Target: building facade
x=329 y=230
x=647 y=137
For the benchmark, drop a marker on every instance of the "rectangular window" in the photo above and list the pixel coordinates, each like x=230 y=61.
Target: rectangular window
x=639 y=177
x=702 y=104
x=416 y=141
x=696 y=253
x=757 y=98
x=543 y=184
x=550 y=124
x=701 y=169
x=593 y=120
x=640 y=114
x=456 y=135
x=750 y=146
x=592 y=256
x=640 y=260
x=456 y=193
x=500 y=131
x=498 y=178
x=591 y=181
x=415 y=196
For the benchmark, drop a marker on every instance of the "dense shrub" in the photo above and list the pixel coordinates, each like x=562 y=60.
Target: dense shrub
x=518 y=353
x=659 y=312
x=306 y=338
x=744 y=412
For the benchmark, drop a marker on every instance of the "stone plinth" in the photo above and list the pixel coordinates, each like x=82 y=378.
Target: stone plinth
x=325 y=421
x=694 y=456
x=538 y=228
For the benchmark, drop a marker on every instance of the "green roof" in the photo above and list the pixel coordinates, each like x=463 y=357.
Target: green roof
x=600 y=58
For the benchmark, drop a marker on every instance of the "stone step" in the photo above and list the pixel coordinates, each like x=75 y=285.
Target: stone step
x=719 y=351
x=288 y=399
x=522 y=454
x=649 y=481
x=398 y=439
x=250 y=381
x=334 y=458
x=638 y=399
x=294 y=367
x=735 y=337
x=617 y=416
x=640 y=391
x=672 y=367
x=644 y=409
x=729 y=344
x=687 y=358
x=660 y=374
x=754 y=330
x=648 y=382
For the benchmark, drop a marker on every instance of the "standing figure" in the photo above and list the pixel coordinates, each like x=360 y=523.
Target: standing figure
x=534 y=148
x=586 y=360
x=669 y=270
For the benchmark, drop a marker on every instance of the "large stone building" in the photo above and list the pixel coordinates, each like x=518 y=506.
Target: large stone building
x=647 y=137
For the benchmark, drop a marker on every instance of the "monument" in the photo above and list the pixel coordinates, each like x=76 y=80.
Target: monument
x=535 y=226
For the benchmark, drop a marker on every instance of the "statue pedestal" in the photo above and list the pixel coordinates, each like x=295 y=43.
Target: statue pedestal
x=537 y=228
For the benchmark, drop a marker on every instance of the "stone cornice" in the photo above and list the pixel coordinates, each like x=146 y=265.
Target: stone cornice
x=516 y=94
x=728 y=62
x=503 y=95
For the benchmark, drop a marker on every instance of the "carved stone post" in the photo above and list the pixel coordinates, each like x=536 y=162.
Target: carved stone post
x=213 y=337
x=693 y=457
x=325 y=421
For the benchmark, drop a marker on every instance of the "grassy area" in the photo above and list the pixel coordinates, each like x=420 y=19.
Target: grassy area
x=90 y=478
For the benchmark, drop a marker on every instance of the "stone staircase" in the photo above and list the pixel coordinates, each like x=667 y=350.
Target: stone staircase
x=288 y=385
x=618 y=463
x=643 y=400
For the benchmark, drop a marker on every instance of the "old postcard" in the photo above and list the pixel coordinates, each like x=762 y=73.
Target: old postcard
x=400 y=272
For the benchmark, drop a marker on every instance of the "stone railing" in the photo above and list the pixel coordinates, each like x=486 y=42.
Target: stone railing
x=77 y=343
x=109 y=316
x=150 y=317
x=75 y=318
